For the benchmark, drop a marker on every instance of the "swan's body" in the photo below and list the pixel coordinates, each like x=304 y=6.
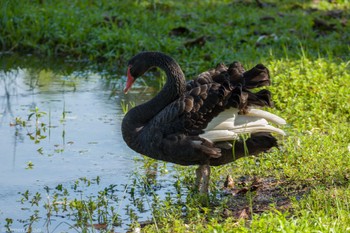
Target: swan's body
x=197 y=122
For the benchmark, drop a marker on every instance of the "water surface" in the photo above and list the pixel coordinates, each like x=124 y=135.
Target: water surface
x=72 y=130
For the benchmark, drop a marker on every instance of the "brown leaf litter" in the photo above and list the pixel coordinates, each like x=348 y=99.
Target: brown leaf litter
x=252 y=195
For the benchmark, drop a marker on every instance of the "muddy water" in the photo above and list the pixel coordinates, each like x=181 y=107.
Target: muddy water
x=72 y=129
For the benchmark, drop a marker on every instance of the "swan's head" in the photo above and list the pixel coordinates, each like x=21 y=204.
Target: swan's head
x=137 y=66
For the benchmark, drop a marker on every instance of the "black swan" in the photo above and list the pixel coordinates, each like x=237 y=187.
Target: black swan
x=199 y=122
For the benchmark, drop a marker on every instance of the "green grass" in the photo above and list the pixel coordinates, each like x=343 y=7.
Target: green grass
x=112 y=31
x=313 y=159
x=310 y=71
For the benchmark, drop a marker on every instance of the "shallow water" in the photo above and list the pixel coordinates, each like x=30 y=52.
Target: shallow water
x=78 y=116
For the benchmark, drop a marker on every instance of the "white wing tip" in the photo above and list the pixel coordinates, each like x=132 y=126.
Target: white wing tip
x=266 y=115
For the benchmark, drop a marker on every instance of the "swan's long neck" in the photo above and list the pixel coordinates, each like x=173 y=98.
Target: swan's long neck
x=175 y=85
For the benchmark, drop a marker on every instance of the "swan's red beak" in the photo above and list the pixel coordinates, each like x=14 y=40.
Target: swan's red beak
x=129 y=81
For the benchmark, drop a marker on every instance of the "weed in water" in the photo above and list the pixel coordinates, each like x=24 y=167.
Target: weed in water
x=71 y=206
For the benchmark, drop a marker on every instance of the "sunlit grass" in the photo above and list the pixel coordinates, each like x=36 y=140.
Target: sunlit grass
x=314 y=157
x=111 y=32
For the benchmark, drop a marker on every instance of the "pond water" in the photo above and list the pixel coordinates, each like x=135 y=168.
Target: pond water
x=57 y=126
